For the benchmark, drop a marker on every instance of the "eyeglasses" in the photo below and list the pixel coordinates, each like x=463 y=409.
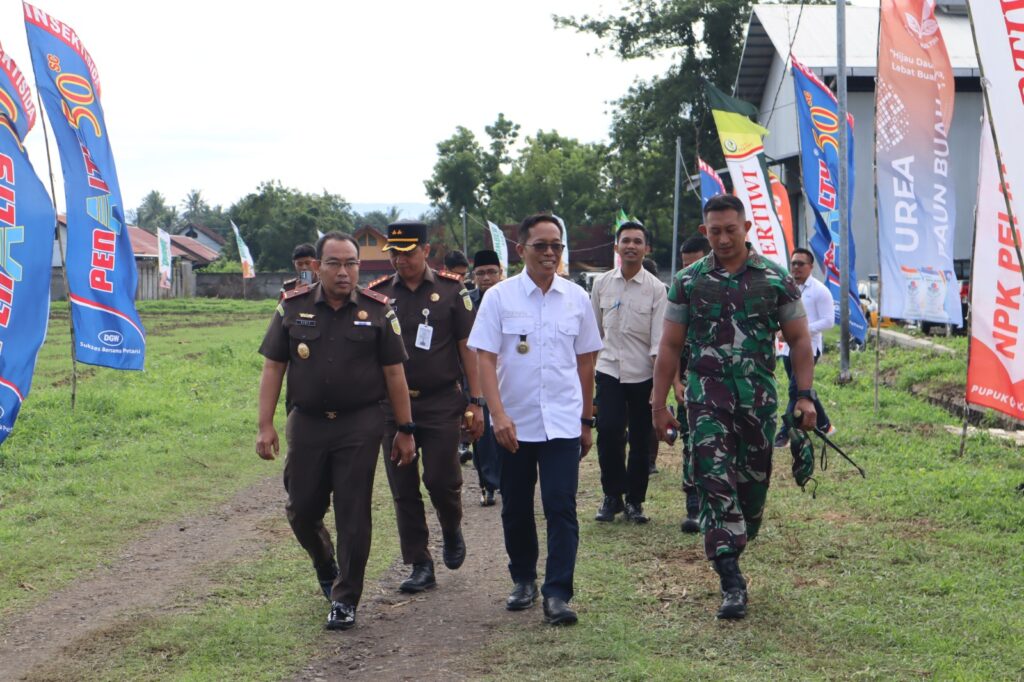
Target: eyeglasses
x=541 y=247
x=335 y=264
x=486 y=272
x=799 y=263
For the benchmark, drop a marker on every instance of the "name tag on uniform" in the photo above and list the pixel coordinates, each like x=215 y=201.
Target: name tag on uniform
x=305 y=323
x=424 y=334
x=363 y=323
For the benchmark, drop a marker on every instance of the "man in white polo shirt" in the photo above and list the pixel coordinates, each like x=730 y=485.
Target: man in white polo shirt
x=536 y=337
x=821 y=316
x=629 y=303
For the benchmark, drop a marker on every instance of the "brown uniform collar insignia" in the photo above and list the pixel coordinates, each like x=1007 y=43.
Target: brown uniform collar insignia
x=297 y=291
x=376 y=296
x=378 y=281
x=451 y=275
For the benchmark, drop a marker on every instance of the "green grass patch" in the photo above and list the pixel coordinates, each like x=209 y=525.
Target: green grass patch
x=912 y=573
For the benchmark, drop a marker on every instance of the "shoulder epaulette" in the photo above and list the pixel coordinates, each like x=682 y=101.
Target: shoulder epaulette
x=378 y=281
x=290 y=284
x=450 y=275
x=297 y=291
x=375 y=295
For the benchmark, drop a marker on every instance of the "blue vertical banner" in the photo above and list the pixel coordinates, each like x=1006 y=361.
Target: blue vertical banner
x=100 y=262
x=26 y=246
x=818 y=119
x=710 y=182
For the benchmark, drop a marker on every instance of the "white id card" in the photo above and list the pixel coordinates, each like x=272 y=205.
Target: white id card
x=423 y=336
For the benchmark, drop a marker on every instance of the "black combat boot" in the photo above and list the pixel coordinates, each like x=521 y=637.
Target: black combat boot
x=611 y=506
x=734 y=587
x=690 y=524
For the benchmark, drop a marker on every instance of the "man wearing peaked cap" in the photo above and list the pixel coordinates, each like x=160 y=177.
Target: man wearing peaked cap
x=436 y=315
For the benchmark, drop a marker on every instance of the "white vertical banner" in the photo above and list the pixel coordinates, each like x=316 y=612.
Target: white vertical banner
x=995 y=374
x=164 y=251
x=563 y=267
x=499 y=245
x=248 y=267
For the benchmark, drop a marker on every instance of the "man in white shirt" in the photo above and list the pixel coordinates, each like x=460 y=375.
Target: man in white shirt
x=536 y=336
x=821 y=316
x=629 y=303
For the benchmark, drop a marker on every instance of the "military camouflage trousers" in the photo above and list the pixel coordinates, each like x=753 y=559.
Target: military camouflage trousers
x=732 y=465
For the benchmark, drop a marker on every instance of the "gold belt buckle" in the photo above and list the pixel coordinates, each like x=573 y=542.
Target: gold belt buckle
x=414 y=394
x=331 y=415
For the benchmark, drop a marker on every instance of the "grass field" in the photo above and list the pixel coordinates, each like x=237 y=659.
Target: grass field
x=916 y=572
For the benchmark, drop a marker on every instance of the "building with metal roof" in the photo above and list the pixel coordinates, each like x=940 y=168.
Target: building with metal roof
x=765 y=80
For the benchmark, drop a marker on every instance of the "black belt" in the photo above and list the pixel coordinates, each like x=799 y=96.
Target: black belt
x=427 y=392
x=328 y=414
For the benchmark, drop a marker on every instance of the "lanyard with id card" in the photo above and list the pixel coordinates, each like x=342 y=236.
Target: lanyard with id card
x=424 y=333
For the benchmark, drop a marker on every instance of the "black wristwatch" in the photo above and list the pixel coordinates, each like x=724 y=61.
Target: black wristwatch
x=589 y=421
x=810 y=394
x=477 y=401
x=409 y=428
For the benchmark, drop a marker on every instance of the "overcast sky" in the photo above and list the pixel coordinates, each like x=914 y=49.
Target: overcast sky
x=351 y=97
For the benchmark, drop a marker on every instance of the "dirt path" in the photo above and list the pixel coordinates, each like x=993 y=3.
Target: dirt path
x=430 y=636
x=146 y=574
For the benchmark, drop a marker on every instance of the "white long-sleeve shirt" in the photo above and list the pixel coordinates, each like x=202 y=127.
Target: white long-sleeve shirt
x=821 y=313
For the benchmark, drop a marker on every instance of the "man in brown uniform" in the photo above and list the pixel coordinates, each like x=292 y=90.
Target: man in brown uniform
x=342 y=349
x=436 y=315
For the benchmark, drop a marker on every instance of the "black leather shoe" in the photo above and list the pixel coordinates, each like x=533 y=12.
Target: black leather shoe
x=454 y=549
x=465 y=453
x=734 y=604
x=421 y=578
x=326 y=577
x=522 y=597
x=611 y=506
x=486 y=498
x=557 y=612
x=341 y=617
x=635 y=513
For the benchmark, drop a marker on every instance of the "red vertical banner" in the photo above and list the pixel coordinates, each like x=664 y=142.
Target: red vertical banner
x=785 y=211
x=995 y=374
x=916 y=193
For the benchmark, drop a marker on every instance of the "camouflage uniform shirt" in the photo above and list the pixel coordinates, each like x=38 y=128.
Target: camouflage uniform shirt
x=731 y=322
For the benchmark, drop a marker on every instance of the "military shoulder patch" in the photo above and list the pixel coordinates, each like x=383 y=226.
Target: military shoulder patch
x=297 y=291
x=396 y=327
x=466 y=300
x=376 y=296
x=378 y=281
x=280 y=309
x=450 y=275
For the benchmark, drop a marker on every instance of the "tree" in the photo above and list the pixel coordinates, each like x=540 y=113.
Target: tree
x=379 y=219
x=154 y=213
x=707 y=37
x=194 y=207
x=557 y=174
x=274 y=219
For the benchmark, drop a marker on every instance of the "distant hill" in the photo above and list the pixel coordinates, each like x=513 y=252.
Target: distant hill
x=409 y=210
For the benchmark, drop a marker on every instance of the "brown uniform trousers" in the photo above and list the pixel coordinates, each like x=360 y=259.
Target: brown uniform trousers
x=437 y=418
x=340 y=455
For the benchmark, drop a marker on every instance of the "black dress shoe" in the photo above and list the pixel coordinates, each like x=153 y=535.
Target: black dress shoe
x=454 y=549
x=522 y=597
x=421 y=578
x=557 y=612
x=611 y=506
x=486 y=498
x=635 y=513
x=326 y=577
x=341 y=617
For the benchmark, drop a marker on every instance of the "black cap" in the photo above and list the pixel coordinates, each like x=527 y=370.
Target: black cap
x=485 y=257
x=405 y=235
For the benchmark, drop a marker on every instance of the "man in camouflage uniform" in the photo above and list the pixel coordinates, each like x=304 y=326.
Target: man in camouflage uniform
x=727 y=307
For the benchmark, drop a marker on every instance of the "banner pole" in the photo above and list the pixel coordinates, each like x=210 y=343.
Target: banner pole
x=844 y=200
x=969 y=325
x=878 y=228
x=60 y=249
x=995 y=144
x=675 y=208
